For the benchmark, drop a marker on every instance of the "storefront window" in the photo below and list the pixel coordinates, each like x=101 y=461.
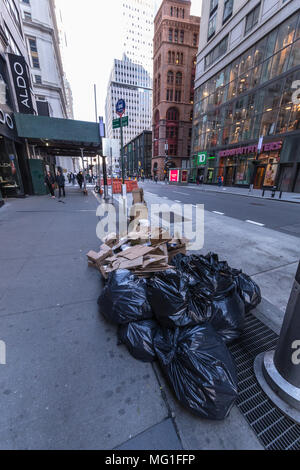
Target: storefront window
x=283 y=119
x=246 y=61
x=268 y=122
x=294 y=124
x=243 y=174
x=10 y=179
x=286 y=33
x=280 y=62
x=295 y=55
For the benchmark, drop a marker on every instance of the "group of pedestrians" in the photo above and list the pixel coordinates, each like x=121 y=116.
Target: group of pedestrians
x=55 y=181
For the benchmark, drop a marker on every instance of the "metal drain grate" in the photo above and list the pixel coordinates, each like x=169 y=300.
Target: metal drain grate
x=274 y=430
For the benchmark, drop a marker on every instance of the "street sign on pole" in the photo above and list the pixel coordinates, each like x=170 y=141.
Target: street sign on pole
x=117 y=122
x=120 y=108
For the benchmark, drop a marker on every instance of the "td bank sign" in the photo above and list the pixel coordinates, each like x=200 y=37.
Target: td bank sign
x=201 y=158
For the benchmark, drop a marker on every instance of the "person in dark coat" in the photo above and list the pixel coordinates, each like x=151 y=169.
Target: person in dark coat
x=80 y=179
x=50 y=183
x=60 y=179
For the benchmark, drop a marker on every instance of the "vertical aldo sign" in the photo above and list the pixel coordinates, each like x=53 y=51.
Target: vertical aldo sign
x=202 y=158
x=21 y=83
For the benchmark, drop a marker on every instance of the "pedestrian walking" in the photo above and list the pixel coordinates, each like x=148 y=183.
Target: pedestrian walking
x=73 y=179
x=60 y=179
x=80 y=179
x=198 y=180
x=220 y=181
x=201 y=180
x=156 y=179
x=50 y=183
x=69 y=177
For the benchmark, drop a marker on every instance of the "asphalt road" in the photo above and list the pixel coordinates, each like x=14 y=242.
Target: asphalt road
x=277 y=215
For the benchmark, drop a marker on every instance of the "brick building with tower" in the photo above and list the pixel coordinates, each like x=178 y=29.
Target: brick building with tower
x=176 y=37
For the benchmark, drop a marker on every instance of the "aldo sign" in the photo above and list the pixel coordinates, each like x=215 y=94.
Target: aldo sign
x=21 y=83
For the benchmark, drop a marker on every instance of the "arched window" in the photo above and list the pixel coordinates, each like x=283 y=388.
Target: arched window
x=172 y=114
x=169 y=57
x=170 y=77
x=171 y=11
x=173 y=57
x=176 y=35
x=170 y=35
x=178 y=78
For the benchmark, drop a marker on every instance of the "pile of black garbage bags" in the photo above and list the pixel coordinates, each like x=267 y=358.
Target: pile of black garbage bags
x=185 y=317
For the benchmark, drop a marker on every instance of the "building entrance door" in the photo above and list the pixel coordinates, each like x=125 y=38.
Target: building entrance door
x=259 y=177
x=229 y=176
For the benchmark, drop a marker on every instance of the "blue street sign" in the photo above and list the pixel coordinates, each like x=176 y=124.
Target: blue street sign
x=120 y=107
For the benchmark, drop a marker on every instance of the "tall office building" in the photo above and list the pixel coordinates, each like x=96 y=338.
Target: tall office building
x=247 y=107
x=51 y=89
x=130 y=77
x=175 y=47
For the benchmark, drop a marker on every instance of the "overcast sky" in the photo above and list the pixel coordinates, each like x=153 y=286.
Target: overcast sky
x=91 y=29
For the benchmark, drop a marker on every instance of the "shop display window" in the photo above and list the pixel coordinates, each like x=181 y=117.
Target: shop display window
x=243 y=173
x=10 y=178
x=286 y=33
x=268 y=122
x=280 y=62
x=295 y=55
x=271 y=173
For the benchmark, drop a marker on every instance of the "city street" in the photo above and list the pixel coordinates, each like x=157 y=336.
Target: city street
x=277 y=215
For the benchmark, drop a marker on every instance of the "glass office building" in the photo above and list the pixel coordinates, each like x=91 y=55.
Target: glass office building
x=247 y=116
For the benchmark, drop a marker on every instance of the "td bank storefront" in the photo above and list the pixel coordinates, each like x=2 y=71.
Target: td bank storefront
x=276 y=164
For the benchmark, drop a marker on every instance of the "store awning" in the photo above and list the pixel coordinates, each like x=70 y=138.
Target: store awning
x=64 y=137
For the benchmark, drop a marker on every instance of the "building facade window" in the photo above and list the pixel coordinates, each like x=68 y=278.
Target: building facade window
x=170 y=78
x=212 y=26
x=228 y=9
x=252 y=19
x=170 y=35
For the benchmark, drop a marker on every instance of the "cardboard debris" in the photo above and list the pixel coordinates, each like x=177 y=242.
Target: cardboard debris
x=142 y=258
x=144 y=251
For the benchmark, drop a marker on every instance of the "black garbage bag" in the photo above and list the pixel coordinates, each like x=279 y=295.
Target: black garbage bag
x=206 y=271
x=248 y=289
x=228 y=314
x=124 y=299
x=139 y=337
x=171 y=300
x=214 y=284
x=199 y=368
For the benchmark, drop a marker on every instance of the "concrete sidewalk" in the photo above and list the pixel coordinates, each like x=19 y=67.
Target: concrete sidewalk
x=257 y=193
x=66 y=385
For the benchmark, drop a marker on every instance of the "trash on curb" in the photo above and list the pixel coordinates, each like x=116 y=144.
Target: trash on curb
x=200 y=369
x=180 y=309
x=139 y=339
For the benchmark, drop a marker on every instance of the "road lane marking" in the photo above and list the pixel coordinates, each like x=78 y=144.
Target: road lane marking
x=219 y=213
x=255 y=223
x=184 y=194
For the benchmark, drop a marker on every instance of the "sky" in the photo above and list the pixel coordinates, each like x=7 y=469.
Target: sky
x=91 y=29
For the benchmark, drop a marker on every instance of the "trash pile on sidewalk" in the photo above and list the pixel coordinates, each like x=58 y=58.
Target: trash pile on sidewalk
x=180 y=310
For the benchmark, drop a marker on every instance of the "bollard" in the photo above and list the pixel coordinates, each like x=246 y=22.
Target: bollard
x=263 y=193
x=278 y=372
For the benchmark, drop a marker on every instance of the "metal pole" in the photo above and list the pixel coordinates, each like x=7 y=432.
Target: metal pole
x=95 y=97
x=84 y=172
x=122 y=152
x=111 y=173
x=278 y=372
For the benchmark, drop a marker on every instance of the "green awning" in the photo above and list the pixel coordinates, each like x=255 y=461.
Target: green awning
x=65 y=130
